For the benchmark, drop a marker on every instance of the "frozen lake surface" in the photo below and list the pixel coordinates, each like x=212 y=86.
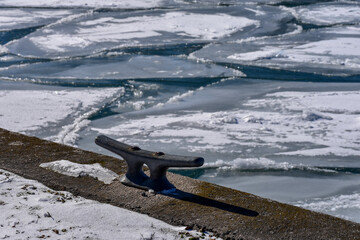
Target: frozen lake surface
x=266 y=91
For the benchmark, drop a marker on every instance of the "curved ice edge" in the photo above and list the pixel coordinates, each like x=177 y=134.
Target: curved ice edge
x=334 y=205
x=284 y=74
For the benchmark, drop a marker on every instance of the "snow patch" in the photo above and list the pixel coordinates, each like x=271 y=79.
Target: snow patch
x=79 y=170
x=31 y=210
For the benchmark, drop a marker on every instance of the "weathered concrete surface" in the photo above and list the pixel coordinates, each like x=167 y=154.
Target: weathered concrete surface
x=230 y=214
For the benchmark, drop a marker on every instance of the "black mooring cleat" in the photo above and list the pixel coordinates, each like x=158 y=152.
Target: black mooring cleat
x=158 y=163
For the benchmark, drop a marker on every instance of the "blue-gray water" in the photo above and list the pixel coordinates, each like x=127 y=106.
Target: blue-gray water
x=267 y=91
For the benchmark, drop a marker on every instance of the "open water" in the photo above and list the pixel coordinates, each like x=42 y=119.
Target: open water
x=267 y=91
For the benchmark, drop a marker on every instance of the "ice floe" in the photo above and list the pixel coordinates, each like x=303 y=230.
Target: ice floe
x=247 y=165
x=90 y=34
x=81 y=3
x=3 y=50
x=79 y=170
x=327 y=121
x=9 y=17
x=26 y=110
x=345 y=205
x=127 y=67
x=266 y=52
x=328 y=51
x=329 y=13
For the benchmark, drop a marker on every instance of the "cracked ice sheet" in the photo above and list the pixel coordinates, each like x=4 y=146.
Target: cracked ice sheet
x=328 y=119
x=31 y=210
x=331 y=51
x=82 y=3
x=328 y=13
x=325 y=52
x=23 y=18
x=134 y=67
x=341 y=51
x=84 y=34
x=26 y=110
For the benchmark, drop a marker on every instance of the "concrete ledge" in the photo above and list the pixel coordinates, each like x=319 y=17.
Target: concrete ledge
x=228 y=213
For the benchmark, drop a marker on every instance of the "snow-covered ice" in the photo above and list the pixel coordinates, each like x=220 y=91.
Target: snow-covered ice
x=127 y=67
x=93 y=33
x=329 y=120
x=344 y=205
x=9 y=18
x=329 y=13
x=195 y=76
x=28 y=110
x=88 y=3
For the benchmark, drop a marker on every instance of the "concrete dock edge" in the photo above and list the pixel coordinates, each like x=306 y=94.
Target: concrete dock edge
x=228 y=213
